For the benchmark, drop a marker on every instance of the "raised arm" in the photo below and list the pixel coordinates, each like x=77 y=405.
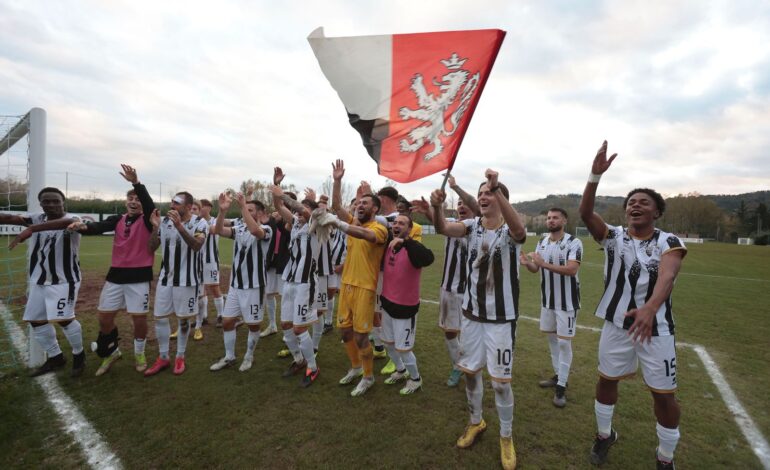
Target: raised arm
x=154 y=242
x=255 y=228
x=467 y=199
x=220 y=228
x=422 y=206
x=129 y=174
x=443 y=226
x=338 y=171
x=593 y=221
x=511 y=217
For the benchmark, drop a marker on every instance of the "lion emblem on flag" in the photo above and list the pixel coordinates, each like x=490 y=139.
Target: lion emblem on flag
x=456 y=89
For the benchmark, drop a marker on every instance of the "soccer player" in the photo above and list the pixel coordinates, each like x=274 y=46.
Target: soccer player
x=339 y=252
x=557 y=256
x=355 y=314
x=210 y=273
x=298 y=310
x=327 y=280
x=641 y=265
x=54 y=279
x=277 y=257
x=130 y=274
x=181 y=236
x=490 y=305
x=251 y=241
x=404 y=207
x=400 y=300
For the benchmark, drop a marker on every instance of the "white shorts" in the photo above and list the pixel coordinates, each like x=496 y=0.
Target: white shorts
x=134 y=297
x=182 y=301
x=377 y=304
x=333 y=282
x=51 y=303
x=619 y=358
x=274 y=282
x=450 y=310
x=246 y=303
x=297 y=305
x=210 y=274
x=489 y=344
x=398 y=331
x=322 y=294
x=561 y=322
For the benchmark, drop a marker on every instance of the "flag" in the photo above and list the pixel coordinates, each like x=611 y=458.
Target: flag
x=410 y=96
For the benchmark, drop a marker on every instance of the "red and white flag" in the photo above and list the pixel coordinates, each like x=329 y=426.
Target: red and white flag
x=410 y=96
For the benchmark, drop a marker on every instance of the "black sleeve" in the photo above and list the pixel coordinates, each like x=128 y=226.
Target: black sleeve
x=147 y=204
x=419 y=255
x=106 y=225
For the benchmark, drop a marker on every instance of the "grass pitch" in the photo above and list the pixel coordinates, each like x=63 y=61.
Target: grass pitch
x=231 y=419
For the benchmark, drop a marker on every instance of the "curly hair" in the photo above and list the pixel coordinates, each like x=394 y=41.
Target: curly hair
x=660 y=203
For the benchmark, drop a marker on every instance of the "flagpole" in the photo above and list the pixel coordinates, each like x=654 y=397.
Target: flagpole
x=446 y=178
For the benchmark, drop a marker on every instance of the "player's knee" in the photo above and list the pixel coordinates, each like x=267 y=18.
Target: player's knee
x=64 y=323
x=450 y=334
x=36 y=324
x=346 y=334
x=286 y=325
x=362 y=340
x=107 y=343
x=184 y=325
x=565 y=344
x=501 y=388
x=298 y=330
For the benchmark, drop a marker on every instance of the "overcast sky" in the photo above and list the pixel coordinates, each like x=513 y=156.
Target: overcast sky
x=201 y=95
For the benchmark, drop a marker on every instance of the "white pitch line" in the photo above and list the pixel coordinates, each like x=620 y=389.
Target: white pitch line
x=95 y=449
x=750 y=431
x=585 y=263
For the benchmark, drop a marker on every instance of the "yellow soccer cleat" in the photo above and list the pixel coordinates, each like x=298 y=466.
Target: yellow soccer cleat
x=198 y=334
x=472 y=432
x=507 y=453
x=174 y=335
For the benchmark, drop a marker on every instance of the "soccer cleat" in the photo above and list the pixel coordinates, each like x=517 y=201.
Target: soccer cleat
x=472 y=432
x=379 y=353
x=174 y=335
x=158 y=366
x=328 y=328
x=107 y=362
x=411 y=387
x=284 y=353
x=663 y=465
x=389 y=368
x=295 y=368
x=454 y=378
x=140 y=362
x=507 y=453
x=559 y=400
x=179 y=366
x=198 y=334
x=270 y=330
x=219 y=321
x=352 y=375
x=221 y=364
x=51 y=364
x=364 y=385
x=310 y=376
x=601 y=447
x=78 y=364
x=548 y=383
x=246 y=364
x=397 y=377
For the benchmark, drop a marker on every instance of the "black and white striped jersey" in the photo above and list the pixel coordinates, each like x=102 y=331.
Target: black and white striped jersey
x=210 y=248
x=455 y=264
x=180 y=265
x=339 y=247
x=324 y=266
x=560 y=292
x=53 y=254
x=630 y=273
x=492 y=287
x=249 y=256
x=303 y=253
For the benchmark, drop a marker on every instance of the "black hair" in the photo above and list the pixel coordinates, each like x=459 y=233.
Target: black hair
x=50 y=189
x=660 y=203
x=257 y=204
x=388 y=191
x=503 y=189
x=188 y=198
x=206 y=202
x=559 y=209
x=375 y=200
x=310 y=203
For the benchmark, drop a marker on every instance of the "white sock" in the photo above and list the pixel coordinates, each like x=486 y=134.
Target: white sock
x=318 y=330
x=229 y=337
x=377 y=332
x=410 y=361
x=553 y=345
x=453 y=346
x=219 y=304
x=474 y=390
x=565 y=361
x=306 y=346
x=504 y=403
x=163 y=333
x=74 y=334
x=251 y=343
x=139 y=345
x=329 y=316
x=603 y=418
x=667 y=440
x=292 y=344
x=270 y=303
x=183 y=332
x=45 y=335
x=395 y=356
x=203 y=311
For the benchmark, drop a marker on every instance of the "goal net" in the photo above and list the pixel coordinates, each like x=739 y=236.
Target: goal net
x=22 y=175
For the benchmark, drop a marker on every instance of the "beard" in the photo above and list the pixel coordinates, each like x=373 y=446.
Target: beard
x=555 y=229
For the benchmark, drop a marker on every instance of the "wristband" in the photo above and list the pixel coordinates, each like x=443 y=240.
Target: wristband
x=594 y=178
